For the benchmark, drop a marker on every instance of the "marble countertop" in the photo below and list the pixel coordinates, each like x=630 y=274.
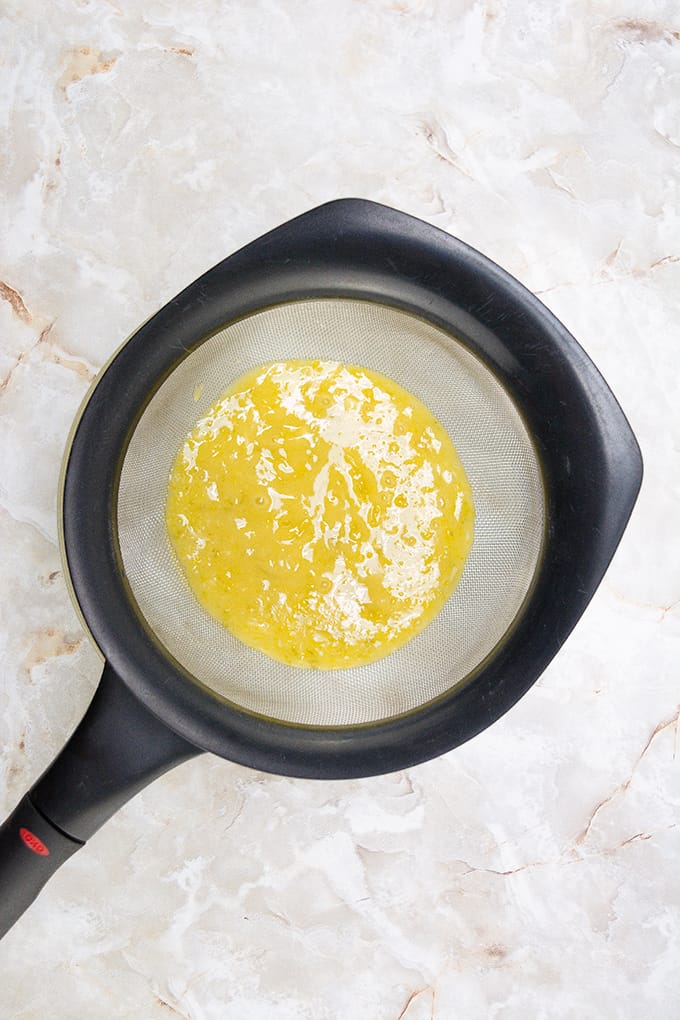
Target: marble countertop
x=533 y=871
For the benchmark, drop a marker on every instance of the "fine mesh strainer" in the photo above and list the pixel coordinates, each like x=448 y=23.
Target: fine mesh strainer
x=552 y=462
x=496 y=451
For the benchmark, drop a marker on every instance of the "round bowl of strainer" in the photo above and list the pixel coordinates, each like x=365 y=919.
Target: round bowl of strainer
x=554 y=469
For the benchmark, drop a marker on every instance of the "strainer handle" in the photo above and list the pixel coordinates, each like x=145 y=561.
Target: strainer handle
x=118 y=748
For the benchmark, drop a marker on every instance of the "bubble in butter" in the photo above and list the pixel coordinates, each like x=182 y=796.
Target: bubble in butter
x=320 y=513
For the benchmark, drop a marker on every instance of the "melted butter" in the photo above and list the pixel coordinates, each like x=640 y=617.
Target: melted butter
x=320 y=512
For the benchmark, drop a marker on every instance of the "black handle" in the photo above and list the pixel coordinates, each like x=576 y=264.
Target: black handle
x=31 y=850
x=118 y=748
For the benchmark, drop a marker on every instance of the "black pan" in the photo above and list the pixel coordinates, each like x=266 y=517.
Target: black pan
x=555 y=471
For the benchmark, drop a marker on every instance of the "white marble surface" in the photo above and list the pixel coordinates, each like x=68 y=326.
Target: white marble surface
x=534 y=871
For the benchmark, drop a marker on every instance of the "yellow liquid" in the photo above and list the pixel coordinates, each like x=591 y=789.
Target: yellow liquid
x=321 y=513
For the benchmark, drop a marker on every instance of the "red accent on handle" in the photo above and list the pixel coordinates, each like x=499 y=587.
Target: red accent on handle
x=33 y=843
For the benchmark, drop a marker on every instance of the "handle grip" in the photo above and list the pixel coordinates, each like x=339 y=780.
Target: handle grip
x=31 y=850
x=118 y=748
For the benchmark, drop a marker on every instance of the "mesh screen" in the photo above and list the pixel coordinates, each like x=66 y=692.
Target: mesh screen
x=493 y=445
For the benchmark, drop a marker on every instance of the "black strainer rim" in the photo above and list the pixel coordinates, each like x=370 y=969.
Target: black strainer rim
x=588 y=455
